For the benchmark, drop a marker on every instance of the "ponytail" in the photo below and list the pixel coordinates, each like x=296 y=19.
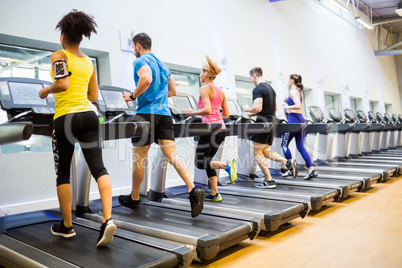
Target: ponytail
x=297 y=79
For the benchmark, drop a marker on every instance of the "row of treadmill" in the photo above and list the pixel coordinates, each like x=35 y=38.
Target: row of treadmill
x=353 y=152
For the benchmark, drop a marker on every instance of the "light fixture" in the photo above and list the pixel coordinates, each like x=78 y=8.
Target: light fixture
x=364 y=23
x=399 y=10
x=339 y=5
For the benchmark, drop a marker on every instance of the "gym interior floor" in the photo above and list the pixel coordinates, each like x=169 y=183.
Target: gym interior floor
x=364 y=230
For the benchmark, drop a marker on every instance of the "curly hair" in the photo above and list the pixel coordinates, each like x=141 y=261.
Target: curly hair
x=211 y=68
x=76 y=24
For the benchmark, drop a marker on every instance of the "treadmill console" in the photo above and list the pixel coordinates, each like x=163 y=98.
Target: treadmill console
x=380 y=118
x=179 y=105
x=112 y=105
x=389 y=119
x=335 y=115
x=19 y=97
x=316 y=114
x=236 y=113
x=350 y=115
x=372 y=117
x=361 y=116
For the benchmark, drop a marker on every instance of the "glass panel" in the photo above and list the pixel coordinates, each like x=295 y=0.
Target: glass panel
x=353 y=105
x=28 y=63
x=372 y=106
x=244 y=92
x=188 y=83
x=329 y=103
x=306 y=102
x=388 y=108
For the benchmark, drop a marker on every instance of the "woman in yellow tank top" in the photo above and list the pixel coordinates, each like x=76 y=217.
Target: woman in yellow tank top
x=74 y=84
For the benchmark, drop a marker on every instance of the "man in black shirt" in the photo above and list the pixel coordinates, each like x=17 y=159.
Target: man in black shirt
x=264 y=107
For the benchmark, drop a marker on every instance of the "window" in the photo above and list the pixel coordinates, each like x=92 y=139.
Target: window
x=244 y=92
x=332 y=101
x=25 y=62
x=373 y=106
x=188 y=83
x=353 y=105
x=388 y=108
x=306 y=101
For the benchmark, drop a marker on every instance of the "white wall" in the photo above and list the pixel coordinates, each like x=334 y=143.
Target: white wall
x=292 y=36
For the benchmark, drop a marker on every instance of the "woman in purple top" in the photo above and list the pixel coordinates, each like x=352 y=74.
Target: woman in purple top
x=210 y=103
x=294 y=105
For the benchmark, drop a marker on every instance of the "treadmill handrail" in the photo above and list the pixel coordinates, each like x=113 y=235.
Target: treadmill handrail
x=15 y=132
x=121 y=130
x=318 y=127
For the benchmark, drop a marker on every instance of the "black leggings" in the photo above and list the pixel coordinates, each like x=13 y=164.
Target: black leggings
x=206 y=149
x=83 y=127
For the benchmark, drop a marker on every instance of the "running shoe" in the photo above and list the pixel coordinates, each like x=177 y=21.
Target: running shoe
x=107 y=231
x=125 y=200
x=59 y=229
x=291 y=169
x=231 y=170
x=196 y=197
x=266 y=184
x=216 y=197
x=310 y=175
x=287 y=173
x=293 y=166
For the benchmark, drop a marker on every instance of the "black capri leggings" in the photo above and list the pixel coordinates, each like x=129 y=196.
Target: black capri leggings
x=206 y=149
x=84 y=128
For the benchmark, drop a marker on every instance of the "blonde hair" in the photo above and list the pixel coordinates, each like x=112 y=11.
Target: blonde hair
x=211 y=68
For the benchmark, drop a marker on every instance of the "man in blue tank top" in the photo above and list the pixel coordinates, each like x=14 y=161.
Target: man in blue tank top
x=264 y=107
x=154 y=85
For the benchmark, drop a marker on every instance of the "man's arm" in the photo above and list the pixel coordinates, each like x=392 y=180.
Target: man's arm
x=145 y=75
x=256 y=108
x=171 y=87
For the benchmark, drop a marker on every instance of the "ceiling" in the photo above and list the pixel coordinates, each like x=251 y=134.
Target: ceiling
x=384 y=13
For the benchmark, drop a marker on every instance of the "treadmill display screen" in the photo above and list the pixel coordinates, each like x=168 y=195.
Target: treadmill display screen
x=26 y=93
x=380 y=117
x=182 y=104
x=114 y=99
x=233 y=108
x=371 y=115
x=335 y=114
x=350 y=115
x=362 y=115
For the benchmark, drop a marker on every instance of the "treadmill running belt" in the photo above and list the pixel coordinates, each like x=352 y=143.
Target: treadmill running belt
x=82 y=251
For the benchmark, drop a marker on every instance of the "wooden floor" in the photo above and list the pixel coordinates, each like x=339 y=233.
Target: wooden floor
x=363 y=231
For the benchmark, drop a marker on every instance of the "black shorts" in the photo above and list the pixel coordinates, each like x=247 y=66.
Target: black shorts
x=161 y=127
x=264 y=138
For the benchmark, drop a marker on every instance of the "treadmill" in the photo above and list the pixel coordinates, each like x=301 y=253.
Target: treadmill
x=26 y=240
x=342 y=128
x=380 y=148
x=340 y=165
x=241 y=126
x=393 y=151
x=272 y=213
x=205 y=235
x=383 y=142
x=346 y=186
